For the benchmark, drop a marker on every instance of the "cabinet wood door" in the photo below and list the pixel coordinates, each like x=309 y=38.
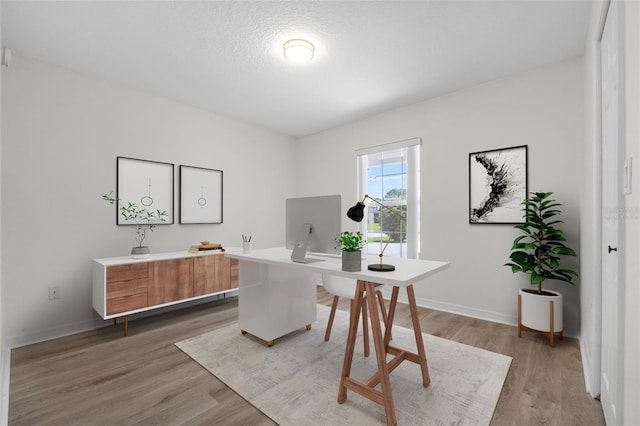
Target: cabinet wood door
x=126 y=272
x=235 y=272
x=126 y=288
x=126 y=303
x=170 y=280
x=212 y=274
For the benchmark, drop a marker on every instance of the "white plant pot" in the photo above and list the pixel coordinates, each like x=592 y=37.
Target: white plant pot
x=535 y=311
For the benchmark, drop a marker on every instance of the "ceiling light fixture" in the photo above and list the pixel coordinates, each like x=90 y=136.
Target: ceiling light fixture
x=298 y=50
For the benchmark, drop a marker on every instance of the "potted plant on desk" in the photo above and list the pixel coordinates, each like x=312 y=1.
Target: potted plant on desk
x=144 y=220
x=351 y=245
x=537 y=253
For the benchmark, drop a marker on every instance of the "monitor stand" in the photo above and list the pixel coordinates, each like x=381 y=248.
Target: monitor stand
x=299 y=253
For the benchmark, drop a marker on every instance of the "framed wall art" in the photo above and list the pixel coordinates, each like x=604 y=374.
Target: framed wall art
x=148 y=184
x=498 y=184
x=200 y=195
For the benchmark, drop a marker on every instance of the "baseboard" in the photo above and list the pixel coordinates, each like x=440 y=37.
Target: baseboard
x=95 y=323
x=459 y=309
x=586 y=364
x=569 y=330
x=66 y=330
x=592 y=387
x=27 y=339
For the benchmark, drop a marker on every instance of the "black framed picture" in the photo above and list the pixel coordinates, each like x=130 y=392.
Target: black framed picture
x=200 y=195
x=498 y=184
x=148 y=184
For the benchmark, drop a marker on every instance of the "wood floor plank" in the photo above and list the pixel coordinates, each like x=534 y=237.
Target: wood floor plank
x=101 y=377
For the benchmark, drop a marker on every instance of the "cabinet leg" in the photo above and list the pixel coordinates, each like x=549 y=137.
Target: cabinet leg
x=270 y=343
x=243 y=332
x=308 y=327
x=126 y=325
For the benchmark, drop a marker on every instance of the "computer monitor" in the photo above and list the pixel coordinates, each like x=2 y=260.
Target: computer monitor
x=312 y=224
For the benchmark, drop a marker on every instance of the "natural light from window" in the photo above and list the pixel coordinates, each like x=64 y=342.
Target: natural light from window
x=390 y=176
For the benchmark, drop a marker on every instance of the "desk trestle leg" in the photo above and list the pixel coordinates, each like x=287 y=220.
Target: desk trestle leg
x=356 y=307
x=417 y=330
x=382 y=348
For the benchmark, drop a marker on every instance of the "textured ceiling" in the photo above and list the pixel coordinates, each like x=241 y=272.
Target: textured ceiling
x=226 y=56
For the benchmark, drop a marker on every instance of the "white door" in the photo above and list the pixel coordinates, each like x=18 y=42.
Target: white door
x=612 y=225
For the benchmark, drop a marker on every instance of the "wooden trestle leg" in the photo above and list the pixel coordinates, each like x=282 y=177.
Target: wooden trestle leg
x=351 y=340
x=365 y=293
x=417 y=330
x=381 y=356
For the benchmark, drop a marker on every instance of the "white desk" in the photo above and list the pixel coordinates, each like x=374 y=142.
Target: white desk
x=277 y=296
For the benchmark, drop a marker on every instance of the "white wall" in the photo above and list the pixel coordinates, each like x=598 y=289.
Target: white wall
x=542 y=109
x=61 y=135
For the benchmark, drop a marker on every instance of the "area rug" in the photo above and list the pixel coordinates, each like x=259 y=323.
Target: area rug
x=295 y=382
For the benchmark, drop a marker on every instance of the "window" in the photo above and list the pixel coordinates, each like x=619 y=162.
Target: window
x=390 y=174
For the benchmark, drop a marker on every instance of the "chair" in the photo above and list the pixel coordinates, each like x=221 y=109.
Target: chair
x=346 y=287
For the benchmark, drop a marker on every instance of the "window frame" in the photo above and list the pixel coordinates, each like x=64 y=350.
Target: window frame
x=412 y=231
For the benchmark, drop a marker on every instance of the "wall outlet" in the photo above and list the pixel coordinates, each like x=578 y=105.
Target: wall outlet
x=54 y=292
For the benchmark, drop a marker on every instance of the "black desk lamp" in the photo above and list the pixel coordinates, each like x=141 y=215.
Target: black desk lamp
x=356 y=213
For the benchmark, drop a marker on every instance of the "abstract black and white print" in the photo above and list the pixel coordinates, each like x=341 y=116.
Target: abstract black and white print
x=497 y=185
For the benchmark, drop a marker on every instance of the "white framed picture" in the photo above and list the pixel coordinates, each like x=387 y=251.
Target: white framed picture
x=200 y=195
x=147 y=184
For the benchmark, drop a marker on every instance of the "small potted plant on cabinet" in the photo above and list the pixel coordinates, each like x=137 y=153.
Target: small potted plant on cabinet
x=537 y=253
x=351 y=245
x=144 y=220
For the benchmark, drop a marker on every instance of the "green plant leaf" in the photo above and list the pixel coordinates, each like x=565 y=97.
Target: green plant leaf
x=536 y=278
x=539 y=249
x=564 y=250
x=349 y=241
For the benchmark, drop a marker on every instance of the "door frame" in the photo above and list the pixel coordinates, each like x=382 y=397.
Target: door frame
x=595 y=370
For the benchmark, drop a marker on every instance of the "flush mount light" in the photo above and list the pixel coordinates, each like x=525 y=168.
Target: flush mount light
x=298 y=50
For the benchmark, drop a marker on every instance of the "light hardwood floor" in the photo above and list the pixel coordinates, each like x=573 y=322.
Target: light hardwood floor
x=102 y=378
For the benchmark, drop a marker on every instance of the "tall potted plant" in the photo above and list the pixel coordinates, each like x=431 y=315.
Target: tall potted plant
x=351 y=245
x=144 y=220
x=538 y=253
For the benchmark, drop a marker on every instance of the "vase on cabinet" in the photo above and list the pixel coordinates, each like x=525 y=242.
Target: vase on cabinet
x=140 y=252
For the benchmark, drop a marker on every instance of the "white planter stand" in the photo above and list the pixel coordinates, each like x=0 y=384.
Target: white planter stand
x=540 y=313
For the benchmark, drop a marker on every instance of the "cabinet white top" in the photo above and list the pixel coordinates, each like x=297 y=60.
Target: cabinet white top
x=154 y=257
x=408 y=271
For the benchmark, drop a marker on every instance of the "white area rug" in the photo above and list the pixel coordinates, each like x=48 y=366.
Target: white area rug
x=295 y=382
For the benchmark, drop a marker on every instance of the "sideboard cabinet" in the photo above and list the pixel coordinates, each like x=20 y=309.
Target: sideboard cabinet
x=124 y=286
